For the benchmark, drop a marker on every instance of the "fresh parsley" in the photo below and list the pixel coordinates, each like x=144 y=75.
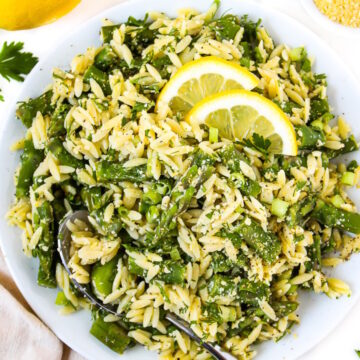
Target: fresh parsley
x=258 y=143
x=357 y=353
x=15 y=63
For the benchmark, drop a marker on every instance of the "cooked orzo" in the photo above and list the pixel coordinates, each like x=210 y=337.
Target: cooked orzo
x=223 y=233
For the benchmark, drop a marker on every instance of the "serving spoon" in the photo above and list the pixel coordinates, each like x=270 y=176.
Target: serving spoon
x=64 y=244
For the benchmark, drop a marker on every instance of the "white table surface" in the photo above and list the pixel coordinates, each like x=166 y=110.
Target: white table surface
x=340 y=344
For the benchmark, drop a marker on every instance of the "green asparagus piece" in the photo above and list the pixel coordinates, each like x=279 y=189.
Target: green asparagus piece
x=231 y=158
x=30 y=160
x=245 y=291
x=102 y=277
x=100 y=77
x=221 y=285
x=114 y=171
x=27 y=110
x=218 y=313
x=314 y=254
x=56 y=127
x=310 y=137
x=43 y=217
x=135 y=269
x=58 y=209
x=171 y=272
x=331 y=216
x=106 y=32
x=284 y=308
x=61 y=299
x=298 y=211
x=183 y=192
x=250 y=292
x=110 y=334
x=152 y=214
x=318 y=107
x=112 y=227
x=65 y=158
x=93 y=197
x=289 y=162
x=350 y=145
x=265 y=244
x=106 y=58
x=221 y=263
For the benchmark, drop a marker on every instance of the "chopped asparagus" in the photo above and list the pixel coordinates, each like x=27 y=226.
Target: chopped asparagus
x=265 y=244
x=182 y=194
x=65 y=158
x=310 y=137
x=27 y=110
x=30 y=160
x=102 y=277
x=331 y=216
x=56 y=127
x=43 y=217
x=114 y=171
x=101 y=77
x=110 y=334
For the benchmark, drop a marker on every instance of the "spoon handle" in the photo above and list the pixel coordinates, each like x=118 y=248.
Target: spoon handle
x=184 y=327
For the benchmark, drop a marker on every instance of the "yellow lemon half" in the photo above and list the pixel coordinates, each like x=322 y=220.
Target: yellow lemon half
x=203 y=77
x=26 y=14
x=237 y=114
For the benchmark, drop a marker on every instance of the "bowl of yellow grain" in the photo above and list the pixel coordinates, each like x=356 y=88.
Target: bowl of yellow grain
x=342 y=16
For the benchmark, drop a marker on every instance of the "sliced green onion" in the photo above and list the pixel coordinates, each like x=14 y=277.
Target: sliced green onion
x=213 y=135
x=337 y=201
x=228 y=313
x=348 y=178
x=318 y=124
x=279 y=207
x=297 y=54
x=153 y=196
x=174 y=254
x=123 y=211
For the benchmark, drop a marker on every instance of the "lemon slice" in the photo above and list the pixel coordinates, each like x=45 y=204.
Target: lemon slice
x=237 y=114
x=203 y=77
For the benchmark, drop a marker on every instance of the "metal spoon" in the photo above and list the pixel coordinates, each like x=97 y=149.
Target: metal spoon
x=64 y=243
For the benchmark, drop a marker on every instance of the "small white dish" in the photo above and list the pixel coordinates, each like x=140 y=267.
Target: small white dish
x=328 y=24
x=319 y=314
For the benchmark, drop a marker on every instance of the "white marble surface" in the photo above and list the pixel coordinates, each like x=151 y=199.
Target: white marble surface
x=340 y=344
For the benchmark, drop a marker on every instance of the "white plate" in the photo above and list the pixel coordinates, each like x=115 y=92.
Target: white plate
x=324 y=21
x=318 y=313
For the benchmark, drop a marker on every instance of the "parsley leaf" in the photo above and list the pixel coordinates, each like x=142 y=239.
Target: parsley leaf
x=258 y=143
x=357 y=353
x=14 y=63
x=1 y=97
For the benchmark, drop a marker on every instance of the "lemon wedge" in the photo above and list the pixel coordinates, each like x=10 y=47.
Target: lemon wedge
x=25 y=14
x=203 y=77
x=237 y=114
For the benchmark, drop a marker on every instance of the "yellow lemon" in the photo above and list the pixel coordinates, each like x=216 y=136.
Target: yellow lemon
x=26 y=14
x=237 y=114
x=203 y=77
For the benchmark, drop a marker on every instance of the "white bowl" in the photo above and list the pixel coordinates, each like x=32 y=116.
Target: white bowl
x=319 y=315
x=328 y=24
